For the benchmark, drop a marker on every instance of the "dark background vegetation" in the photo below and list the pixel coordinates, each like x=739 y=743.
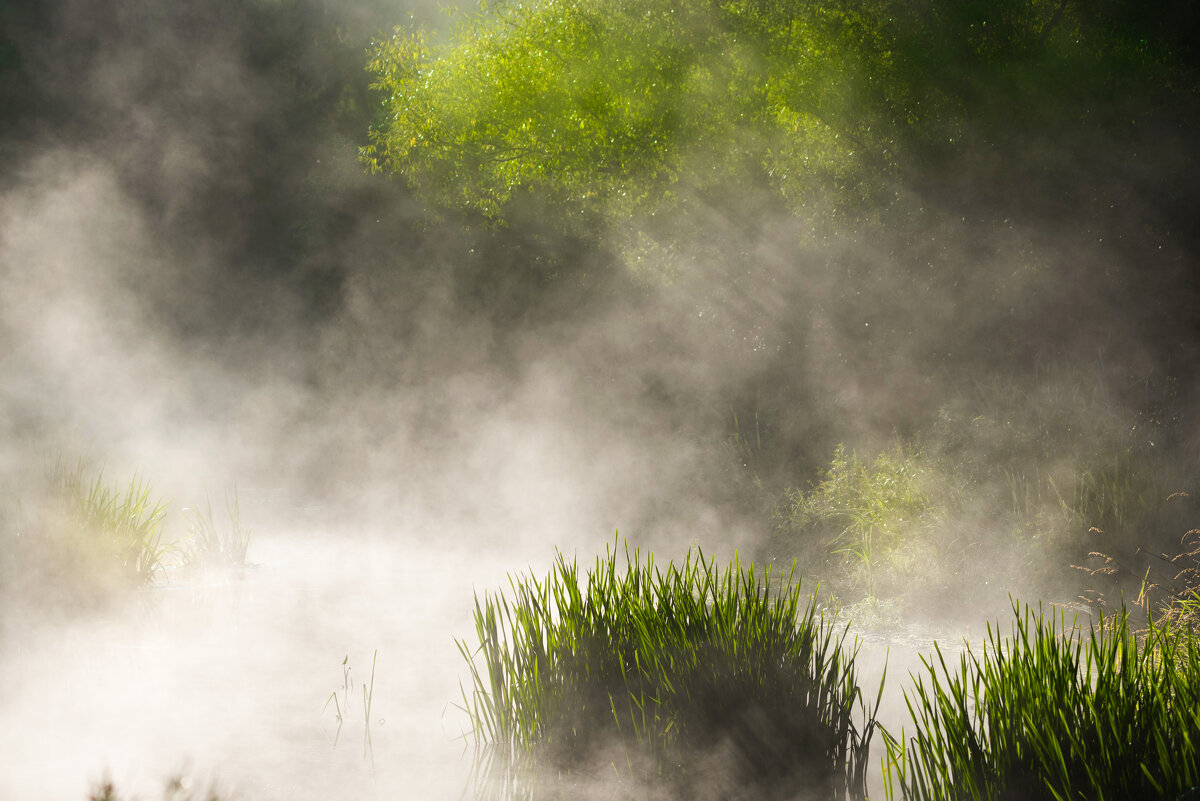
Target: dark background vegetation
x=1028 y=293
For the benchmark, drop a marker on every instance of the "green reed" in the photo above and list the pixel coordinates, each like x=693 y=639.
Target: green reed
x=1055 y=712
x=213 y=545
x=640 y=673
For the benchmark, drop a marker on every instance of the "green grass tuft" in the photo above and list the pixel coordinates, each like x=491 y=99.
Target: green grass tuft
x=1055 y=713
x=123 y=522
x=212 y=545
x=644 y=675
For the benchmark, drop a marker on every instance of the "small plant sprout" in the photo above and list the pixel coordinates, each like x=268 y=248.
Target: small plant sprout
x=368 y=696
x=342 y=706
x=337 y=705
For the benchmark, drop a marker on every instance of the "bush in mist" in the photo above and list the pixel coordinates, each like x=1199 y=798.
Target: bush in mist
x=1054 y=713
x=861 y=513
x=1009 y=488
x=694 y=681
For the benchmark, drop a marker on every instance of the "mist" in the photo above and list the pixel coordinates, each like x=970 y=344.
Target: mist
x=201 y=285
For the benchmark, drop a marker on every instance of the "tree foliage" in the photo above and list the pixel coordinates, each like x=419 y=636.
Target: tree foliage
x=619 y=110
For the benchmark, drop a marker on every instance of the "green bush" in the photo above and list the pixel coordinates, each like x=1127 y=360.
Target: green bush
x=1007 y=486
x=644 y=675
x=864 y=514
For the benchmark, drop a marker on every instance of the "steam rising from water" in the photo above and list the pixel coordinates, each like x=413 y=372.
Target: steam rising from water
x=227 y=678
x=198 y=283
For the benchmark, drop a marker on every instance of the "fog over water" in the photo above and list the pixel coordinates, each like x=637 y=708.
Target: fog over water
x=200 y=285
x=226 y=680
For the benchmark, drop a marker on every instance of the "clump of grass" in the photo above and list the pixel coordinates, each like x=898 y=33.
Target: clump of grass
x=1055 y=713
x=123 y=521
x=217 y=546
x=645 y=674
